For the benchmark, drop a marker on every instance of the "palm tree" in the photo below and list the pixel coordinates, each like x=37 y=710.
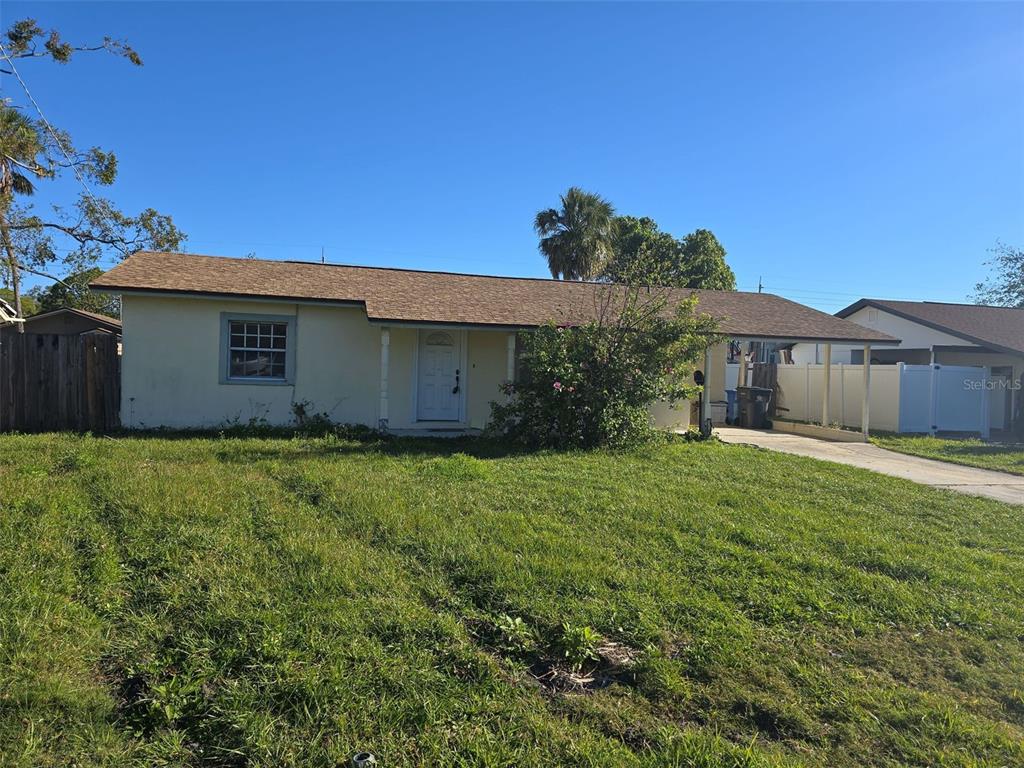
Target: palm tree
x=22 y=157
x=576 y=240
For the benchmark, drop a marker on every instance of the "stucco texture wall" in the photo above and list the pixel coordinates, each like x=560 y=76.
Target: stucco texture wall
x=172 y=364
x=488 y=367
x=172 y=368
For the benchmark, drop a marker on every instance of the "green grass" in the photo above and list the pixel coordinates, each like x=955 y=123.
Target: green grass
x=1003 y=457
x=286 y=602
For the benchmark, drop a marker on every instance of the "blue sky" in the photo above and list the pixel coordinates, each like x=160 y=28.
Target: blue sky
x=837 y=150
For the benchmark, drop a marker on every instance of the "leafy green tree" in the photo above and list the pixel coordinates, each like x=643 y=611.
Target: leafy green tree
x=73 y=292
x=576 y=239
x=695 y=261
x=1005 y=288
x=68 y=236
x=703 y=263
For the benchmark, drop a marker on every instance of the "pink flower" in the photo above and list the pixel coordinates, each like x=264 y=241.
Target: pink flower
x=572 y=389
x=558 y=386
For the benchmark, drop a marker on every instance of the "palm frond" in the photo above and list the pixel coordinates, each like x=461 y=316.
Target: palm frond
x=22 y=185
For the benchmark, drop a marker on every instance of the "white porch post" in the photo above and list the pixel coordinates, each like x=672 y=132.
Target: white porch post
x=385 y=365
x=705 y=400
x=865 y=408
x=826 y=390
x=510 y=358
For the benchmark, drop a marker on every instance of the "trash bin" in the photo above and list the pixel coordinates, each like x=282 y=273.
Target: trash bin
x=753 y=406
x=730 y=406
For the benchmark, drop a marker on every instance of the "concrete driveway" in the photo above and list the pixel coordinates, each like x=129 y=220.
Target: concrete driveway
x=939 y=474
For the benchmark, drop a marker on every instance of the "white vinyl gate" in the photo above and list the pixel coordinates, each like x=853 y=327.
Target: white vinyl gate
x=944 y=398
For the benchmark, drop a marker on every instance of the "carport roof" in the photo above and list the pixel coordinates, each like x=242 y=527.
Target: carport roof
x=421 y=297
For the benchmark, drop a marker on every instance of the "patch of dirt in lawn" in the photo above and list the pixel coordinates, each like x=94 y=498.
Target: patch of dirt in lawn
x=615 y=664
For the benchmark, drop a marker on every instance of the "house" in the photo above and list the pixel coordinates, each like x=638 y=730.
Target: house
x=210 y=340
x=936 y=333
x=68 y=322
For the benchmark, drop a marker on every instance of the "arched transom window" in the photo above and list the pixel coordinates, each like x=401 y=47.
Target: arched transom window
x=439 y=339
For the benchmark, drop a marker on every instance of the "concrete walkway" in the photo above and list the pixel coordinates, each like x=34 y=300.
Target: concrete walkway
x=1001 y=486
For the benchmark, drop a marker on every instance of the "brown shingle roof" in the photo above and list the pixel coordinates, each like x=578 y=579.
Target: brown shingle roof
x=1000 y=328
x=106 y=320
x=400 y=295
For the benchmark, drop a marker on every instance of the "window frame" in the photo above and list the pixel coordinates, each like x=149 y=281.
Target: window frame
x=226 y=318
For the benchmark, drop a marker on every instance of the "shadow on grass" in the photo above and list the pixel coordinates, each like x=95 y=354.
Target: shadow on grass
x=238 y=444
x=973 y=449
x=285 y=443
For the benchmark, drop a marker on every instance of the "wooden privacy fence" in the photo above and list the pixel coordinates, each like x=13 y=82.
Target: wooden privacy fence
x=50 y=382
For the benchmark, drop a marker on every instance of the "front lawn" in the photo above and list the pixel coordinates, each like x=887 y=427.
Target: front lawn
x=973 y=453
x=275 y=602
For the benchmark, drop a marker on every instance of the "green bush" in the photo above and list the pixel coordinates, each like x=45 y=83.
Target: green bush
x=591 y=385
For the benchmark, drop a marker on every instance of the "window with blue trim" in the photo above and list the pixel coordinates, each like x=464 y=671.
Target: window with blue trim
x=257 y=350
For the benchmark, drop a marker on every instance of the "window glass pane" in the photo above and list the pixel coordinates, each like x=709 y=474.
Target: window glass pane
x=260 y=364
x=237 y=364
x=257 y=349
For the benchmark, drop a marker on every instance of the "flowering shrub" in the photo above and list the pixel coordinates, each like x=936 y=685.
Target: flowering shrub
x=591 y=385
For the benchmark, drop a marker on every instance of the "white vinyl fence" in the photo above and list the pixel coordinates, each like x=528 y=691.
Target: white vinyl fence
x=904 y=398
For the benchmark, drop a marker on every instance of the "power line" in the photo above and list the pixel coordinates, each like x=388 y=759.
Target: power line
x=53 y=133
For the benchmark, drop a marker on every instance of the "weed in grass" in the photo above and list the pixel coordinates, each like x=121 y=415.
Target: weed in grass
x=577 y=645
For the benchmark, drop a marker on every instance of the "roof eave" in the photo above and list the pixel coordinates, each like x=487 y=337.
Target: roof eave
x=858 y=305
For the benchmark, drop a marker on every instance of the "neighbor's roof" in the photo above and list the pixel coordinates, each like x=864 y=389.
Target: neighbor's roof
x=102 y=321
x=1000 y=328
x=409 y=296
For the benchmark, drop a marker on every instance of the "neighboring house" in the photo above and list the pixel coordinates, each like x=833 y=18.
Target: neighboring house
x=8 y=316
x=942 y=334
x=212 y=340
x=68 y=322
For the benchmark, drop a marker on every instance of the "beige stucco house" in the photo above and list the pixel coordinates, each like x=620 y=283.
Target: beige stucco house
x=210 y=341
x=943 y=334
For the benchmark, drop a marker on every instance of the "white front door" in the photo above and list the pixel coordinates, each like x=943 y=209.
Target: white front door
x=438 y=391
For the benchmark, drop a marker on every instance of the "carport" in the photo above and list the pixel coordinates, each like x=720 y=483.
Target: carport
x=760 y=317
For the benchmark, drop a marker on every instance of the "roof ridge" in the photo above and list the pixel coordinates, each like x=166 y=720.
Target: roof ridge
x=78 y=311
x=449 y=273
x=943 y=303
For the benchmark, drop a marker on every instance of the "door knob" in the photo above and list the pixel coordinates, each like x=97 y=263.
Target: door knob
x=455 y=389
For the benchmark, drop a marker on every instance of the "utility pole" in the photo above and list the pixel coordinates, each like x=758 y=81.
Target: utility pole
x=322 y=254
x=759 y=285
